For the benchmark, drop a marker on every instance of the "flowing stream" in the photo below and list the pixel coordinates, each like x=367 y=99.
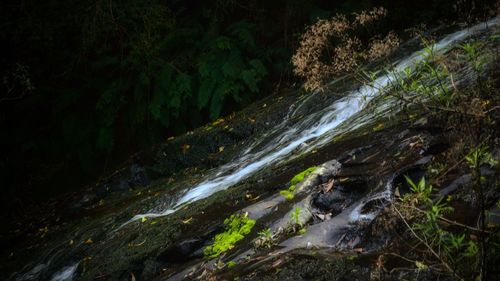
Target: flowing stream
x=311 y=132
x=292 y=138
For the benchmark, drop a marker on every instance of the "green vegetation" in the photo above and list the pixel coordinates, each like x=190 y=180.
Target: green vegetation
x=454 y=250
x=464 y=251
x=295 y=216
x=236 y=227
x=296 y=225
x=265 y=239
x=86 y=84
x=289 y=193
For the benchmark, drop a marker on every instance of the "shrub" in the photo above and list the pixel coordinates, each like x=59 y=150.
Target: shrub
x=329 y=47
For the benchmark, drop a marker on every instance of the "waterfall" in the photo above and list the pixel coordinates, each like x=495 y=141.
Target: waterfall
x=315 y=129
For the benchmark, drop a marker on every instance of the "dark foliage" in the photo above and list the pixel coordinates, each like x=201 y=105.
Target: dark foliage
x=86 y=83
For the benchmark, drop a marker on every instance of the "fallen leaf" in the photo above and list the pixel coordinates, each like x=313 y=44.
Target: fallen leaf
x=71 y=242
x=396 y=192
x=88 y=241
x=329 y=186
x=218 y=121
x=144 y=219
x=185 y=148
x=170 y=138
x=187 y=221
x=221 y=148
x=44 y=230
x=277 y=263
x=343 y=180
x=420 y=265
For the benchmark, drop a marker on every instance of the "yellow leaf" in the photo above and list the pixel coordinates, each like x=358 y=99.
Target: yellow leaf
x=71 y=242
x=379 y=127
x=187 y=221
x=170 y=138
x=218 y=121
x=221 y=148
x=144 y=219
x=185 y=148
x=88 y=241
x=420 y=265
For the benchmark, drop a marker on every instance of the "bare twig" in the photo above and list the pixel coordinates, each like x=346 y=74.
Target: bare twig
x=445 y=264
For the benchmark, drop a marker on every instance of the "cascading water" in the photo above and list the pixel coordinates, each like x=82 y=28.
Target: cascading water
x=316 y=129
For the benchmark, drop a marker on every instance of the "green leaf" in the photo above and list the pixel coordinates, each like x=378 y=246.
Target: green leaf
x=183 y=84
x=205 y=92
x=223 y=43
x=258 y=66
x=105 y=139
x=216 y=102
x=243 y=31
x=250 y=79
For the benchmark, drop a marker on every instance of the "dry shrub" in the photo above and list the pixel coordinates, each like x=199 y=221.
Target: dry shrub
x=368 y=17
x=307 y=60
x=382 y=47
x=329 y=47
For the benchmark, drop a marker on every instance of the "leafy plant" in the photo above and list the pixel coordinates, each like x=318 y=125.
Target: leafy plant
x=295 y=216
x=265 y=239
x=480 y=156
x=421 y=189
x=236 y=227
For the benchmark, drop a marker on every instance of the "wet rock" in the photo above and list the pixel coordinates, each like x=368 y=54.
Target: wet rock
x=330 y=202
x=328 y=170
x=436 y=148
x=182 y=252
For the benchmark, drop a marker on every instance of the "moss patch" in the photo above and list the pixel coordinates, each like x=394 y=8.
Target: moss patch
x=236 y=227
x=289 y=193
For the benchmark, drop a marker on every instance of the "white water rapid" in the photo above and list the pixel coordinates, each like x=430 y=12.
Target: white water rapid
x=315 y=129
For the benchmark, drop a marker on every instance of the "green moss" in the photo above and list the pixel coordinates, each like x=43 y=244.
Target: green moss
x=231 y=264
x=236 y=227
x=300 y=176
x=289 y=193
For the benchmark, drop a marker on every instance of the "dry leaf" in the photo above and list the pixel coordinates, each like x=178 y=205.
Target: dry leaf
x=185 y=148
x=329 y=186
x=277 y=263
